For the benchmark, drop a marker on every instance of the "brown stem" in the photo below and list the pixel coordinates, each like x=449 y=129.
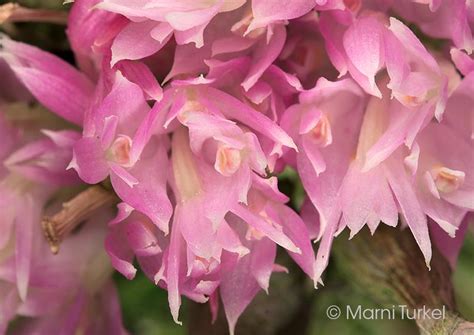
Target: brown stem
x=74 y=212
x=12 y=12
x=390 y=268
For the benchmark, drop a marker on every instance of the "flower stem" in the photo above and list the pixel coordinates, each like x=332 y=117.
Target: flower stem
x=74 y=212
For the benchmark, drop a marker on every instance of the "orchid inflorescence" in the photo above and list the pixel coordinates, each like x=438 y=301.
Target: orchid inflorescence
x=181 y=115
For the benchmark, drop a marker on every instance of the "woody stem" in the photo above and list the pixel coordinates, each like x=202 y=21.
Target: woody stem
x=390 y=268
x=74 y=212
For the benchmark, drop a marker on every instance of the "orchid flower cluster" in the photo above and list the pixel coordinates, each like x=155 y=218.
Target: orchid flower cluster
x=183 y=113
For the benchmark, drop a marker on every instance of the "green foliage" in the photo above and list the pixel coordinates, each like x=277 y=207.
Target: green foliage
x=145 y=307
x=464 y=277
x=289 y=183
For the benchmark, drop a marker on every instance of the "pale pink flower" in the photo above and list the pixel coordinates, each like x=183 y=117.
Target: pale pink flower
x=33 y=282
x=33 y=172
x=154 y=22
x=442 y=159
x=217 y=165
x=433 y=180
x=325 y=125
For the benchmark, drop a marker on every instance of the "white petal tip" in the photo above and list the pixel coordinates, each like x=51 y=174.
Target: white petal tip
x=296 y=250
x=72 y=165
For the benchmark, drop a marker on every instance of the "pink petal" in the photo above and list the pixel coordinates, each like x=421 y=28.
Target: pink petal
x=55 y=83
x=123 y=211
x=262 y=260
x=24 y=245
x=364 y=48
x=229 y=240
x=234 y=109
x=296 y=230
x=265 y=227
x=141 y=239
x=237 y=290
x=448 y=245
x=148 y=195
x=89 y=160
x=61 y=96
x=265 y=55
x=412 y=43
x=120 y=254
x=197 y=230
x=173 y=269
x=367 y=197
x=463 y=62
x=190 y=19
x=140 y=74
x=135 y=42
x=324 y=249
x=312 y=151
x=410 y=207
x=269 y=11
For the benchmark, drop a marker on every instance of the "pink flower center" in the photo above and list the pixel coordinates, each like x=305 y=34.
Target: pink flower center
x=321 y=133
x=227 y=161
x=119 y=151
x=447 y=180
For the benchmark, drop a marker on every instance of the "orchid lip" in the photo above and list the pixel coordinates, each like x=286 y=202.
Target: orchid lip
x=446 y=179
x=228 y=160
x=119 y=151
x=322 y=133
x=189 y=107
